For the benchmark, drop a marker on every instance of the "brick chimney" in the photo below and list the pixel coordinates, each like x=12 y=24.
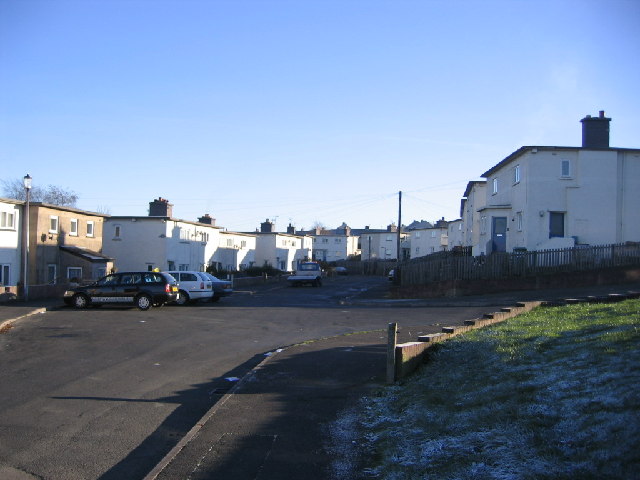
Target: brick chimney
x=160 y=208
x=595 y=131
x=266 y=226
x=291 y=230
x=207 y=219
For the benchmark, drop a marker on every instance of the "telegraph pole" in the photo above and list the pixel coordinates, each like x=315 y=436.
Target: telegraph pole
x=397 y=272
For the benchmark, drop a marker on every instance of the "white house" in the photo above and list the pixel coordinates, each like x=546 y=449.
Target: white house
x=473 y=202
x=455 y=234
x=556 y=197
x=160 y=241
x=236 y=251
x=380 y=244
x=425 y=241
x=10 y=241
x=333 y=245
x=281 y=250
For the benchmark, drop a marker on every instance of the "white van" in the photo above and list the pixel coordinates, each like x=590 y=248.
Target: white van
x=192 y=286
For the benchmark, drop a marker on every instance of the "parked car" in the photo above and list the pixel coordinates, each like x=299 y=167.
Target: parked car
x=192 y=286
x=221 y=288
x=341 y=271
x=142 y=289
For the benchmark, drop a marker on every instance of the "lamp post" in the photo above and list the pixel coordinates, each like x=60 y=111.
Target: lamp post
x=25 y=276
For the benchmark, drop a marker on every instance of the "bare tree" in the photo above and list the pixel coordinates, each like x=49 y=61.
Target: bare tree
x=52 y=194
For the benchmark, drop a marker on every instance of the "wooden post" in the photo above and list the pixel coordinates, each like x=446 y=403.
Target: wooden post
x=392 y=340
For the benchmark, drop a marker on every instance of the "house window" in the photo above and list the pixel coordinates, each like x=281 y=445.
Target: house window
x=52 y=273
x=325 y=240
x=495 y=186
x=389 y=238
x=565 y=169
x=8 y=220
x=483 y=225
x=53 y=224
x=417 y=234
x=338 y=240
x=183 y=267
x=229 y=242
x=417 y=250
x=74 y=227
x=433 y=234
x=556 y=224
x=90 y=228
x=116 y=231
x=74 y=273
x=5 y=270
x=516 y=174
x=519 y=221
x=243 y=244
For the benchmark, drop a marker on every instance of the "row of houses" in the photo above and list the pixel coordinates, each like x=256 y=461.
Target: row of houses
x=537 y=198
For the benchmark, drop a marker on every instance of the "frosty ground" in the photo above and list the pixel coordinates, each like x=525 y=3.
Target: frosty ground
x=552 y=394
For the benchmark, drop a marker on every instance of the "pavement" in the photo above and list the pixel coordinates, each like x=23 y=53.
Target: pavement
x=278 y=420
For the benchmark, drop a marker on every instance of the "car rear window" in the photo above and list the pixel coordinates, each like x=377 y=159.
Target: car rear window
x=153 y=278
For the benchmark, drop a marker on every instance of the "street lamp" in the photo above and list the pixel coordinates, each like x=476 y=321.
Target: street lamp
x=25 y=276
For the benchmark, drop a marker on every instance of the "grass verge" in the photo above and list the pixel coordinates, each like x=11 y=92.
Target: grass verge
x=551 y=394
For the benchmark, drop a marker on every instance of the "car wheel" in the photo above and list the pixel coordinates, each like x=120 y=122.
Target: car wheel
x=143 y=302
x=80 y=301
x=183 y=298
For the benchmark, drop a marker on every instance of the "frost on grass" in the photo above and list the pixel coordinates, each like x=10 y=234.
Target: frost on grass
x=547 y=407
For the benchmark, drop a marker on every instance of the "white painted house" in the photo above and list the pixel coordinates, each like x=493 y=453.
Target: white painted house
x=281 y=250
x=556 y=197
x=160 y=241
x=474 y=200
x=236 y=251
x=455 y=234
x=333 y=245
x=377 y=244
x=425 y=241
x=10 y=242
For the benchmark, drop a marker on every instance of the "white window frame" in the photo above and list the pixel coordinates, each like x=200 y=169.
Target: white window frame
x=565 y=173
x=54 y=223
x=53 y=279
x=71 y=273
x=519 y=222
x=7 y=220
x=5 y=274
x=91 y=228
x=494 y=182
x=73 y=230
x=516 y=174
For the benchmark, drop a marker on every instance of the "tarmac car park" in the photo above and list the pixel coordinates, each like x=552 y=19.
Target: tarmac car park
x=142 y=289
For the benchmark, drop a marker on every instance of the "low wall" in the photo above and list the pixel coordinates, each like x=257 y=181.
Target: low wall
x=456 y=288
x=409 y=356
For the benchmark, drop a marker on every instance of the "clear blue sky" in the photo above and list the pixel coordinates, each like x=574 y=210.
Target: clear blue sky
x=302 y=111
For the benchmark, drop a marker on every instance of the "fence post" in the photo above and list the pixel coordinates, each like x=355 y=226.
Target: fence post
x=392 y=339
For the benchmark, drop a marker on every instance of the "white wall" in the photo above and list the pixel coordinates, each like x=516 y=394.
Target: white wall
x=11 y=242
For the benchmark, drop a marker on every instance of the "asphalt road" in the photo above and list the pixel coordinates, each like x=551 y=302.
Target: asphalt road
x=106 y=393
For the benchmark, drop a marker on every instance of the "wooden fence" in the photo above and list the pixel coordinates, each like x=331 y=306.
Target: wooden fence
x=446 y=266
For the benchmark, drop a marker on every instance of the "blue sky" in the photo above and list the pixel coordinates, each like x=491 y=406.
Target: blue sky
x=302 y=111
